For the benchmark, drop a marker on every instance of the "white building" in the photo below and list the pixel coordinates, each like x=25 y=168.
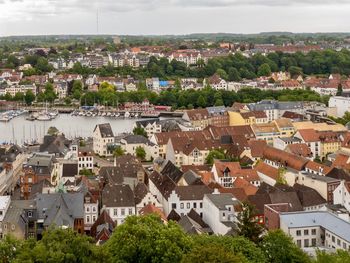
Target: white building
x=150 y=126
x=130 y=144
x=4 y=205
x=118 y=201
x=85 y=161
x=316 y=229
x=90 y=211
x=184 y=198
x=102 y=138
x=341 y=104
x=341 y=195
x=219 y=212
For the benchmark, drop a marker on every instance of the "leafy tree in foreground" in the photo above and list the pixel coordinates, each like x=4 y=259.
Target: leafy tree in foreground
x=147 y=239
x=341 y=256
x=280 y=248
x=211 y=253
x=58 y=245
x=248 y=225
x=9 y=249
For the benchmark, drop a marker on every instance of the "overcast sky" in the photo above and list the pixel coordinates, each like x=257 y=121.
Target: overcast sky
x=29 y=17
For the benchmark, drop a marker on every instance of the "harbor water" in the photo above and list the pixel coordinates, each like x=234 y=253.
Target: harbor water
x=20 y=130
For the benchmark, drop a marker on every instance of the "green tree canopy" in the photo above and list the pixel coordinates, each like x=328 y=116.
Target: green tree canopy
x=264 y=70
x=248 y=225
x=139 y=131
x=215 y=154
x=140 y=153
x=280 y=248
x=146 y=239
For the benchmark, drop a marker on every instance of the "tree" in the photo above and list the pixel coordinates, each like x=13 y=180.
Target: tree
x=295 y=71
x=340 y=256
x=215 y=154
x=52 y=131
x=9 y=249
x=146 y=239
x=29 y=97
x=339 y=90
x=280 y=248
x=140 y=153
x=264 y=70
x=248 y=225
x=118 y=151
x=49 y=93
x=211 y=253
x=245 y=247
x=281 y=178
x=201 y=102
x=139 y=131
x=77 y=89
x=62 y=245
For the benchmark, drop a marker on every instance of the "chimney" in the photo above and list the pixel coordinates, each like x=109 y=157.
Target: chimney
x=216 y=191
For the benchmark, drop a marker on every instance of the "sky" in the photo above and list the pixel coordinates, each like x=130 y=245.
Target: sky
x=159 y=17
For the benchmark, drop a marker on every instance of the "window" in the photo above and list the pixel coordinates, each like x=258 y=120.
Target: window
x=298 y=232
x=338 y=242
x=333 y=239
x=87 y=209
x=306 y=232
x=130 y=211
x=182 y=205
x=87 y=219
x=29 y=214
x=123 y=212
x=344 y=245
x=194 y=205
x=115 y=211
x=188 y=205
x=93 y=219
x=313 y=242
x=299 y=243
x=201 y=205
x=93 y=209
x=313 y=232
x=306 y=242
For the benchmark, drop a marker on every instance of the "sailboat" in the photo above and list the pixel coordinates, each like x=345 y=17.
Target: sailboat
x=44 y=115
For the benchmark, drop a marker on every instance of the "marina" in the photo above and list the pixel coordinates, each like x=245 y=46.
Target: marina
x=21 y=130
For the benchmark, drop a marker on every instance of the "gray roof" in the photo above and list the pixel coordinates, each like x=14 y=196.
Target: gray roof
x=192 y=178
x=16 y=209
x=290 y=139
x=272 y=104
x=222 y=200
x=216 y=110
x=320 y=177
x=192 y=192
x=60 y=208
x=40 y=159
x=136 y=139
x=105 y=130
x=323 y=219
x=117 y=196
x=144 y=123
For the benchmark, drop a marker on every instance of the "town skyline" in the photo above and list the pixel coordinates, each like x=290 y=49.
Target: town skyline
x=37 y=17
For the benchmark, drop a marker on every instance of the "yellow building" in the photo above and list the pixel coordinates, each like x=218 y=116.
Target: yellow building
x=285 y=126
x=303 y=125
x=266 y=131
x=247 y=118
